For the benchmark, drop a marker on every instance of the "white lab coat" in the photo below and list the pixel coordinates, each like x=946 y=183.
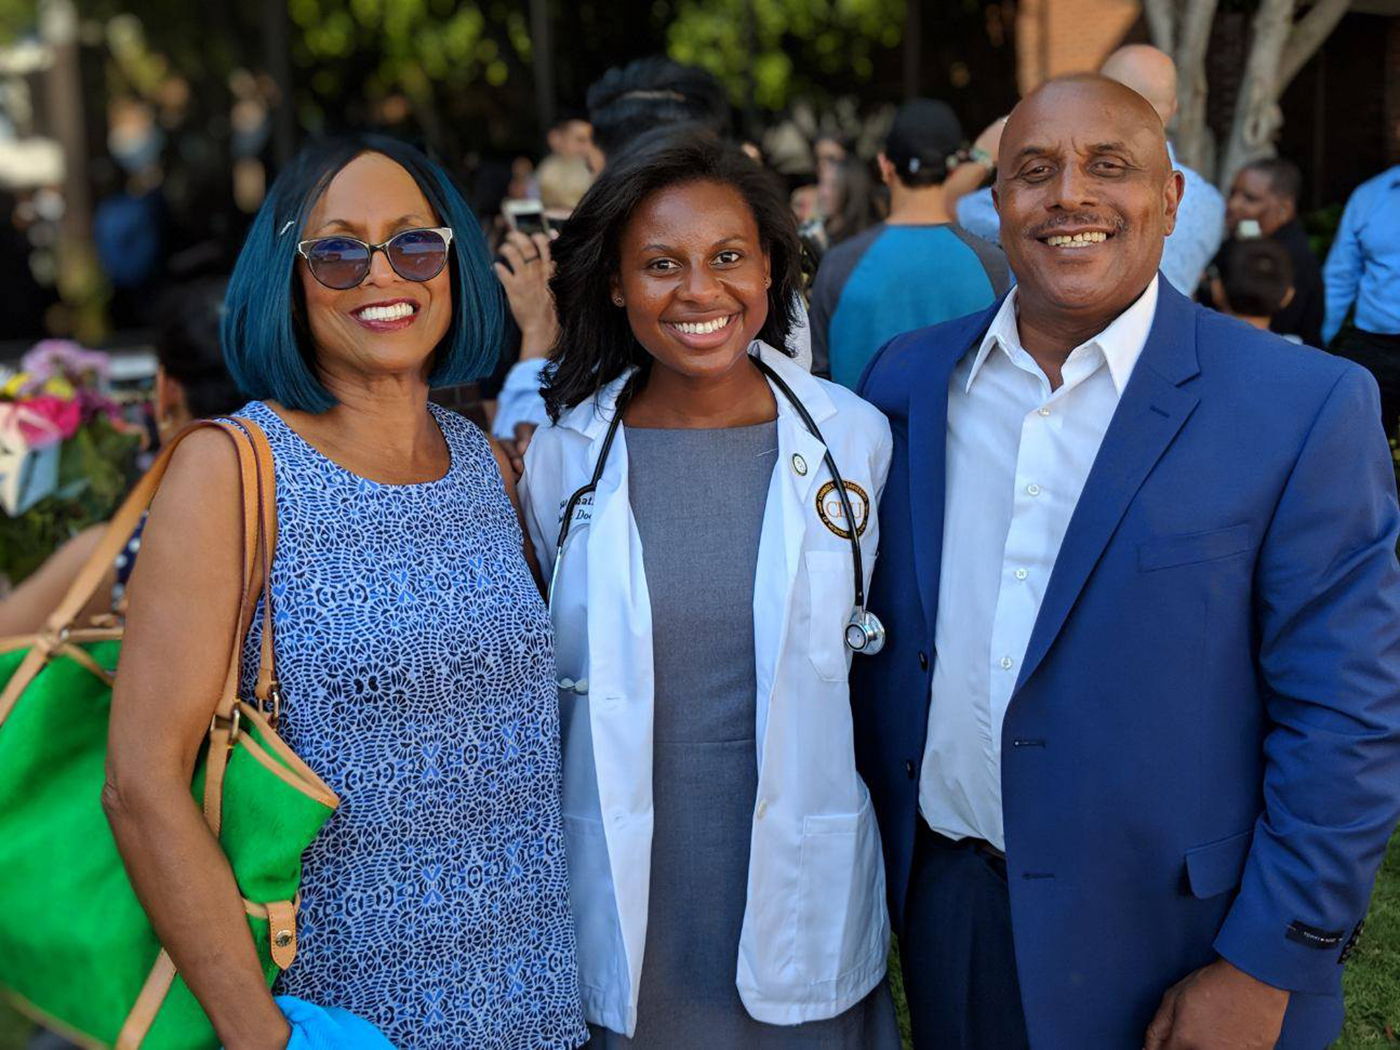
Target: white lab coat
x=815 y=932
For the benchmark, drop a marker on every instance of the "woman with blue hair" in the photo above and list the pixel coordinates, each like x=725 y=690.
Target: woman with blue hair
x=415 y=653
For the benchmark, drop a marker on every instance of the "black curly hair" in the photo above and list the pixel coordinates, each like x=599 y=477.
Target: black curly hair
x=595 y=344
x=628 y=101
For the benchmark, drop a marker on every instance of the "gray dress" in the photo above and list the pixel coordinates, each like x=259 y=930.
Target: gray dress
x=698 y=497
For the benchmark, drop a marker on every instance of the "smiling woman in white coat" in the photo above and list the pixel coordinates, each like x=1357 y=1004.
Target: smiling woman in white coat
x=707 y=593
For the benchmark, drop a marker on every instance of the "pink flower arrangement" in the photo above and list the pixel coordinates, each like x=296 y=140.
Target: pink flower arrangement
x=46 y=420
x=57 y=390
x=63 y=359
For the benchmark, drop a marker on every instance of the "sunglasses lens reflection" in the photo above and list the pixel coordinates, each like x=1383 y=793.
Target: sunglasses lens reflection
x=338 y=262
x=418 y=255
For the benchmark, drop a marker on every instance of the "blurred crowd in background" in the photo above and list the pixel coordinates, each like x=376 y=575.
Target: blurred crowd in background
x=137 y=139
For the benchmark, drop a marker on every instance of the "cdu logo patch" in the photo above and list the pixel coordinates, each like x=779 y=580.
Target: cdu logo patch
x=833 y=515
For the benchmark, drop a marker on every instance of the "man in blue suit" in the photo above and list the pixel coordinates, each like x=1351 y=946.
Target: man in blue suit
x=1134 y=742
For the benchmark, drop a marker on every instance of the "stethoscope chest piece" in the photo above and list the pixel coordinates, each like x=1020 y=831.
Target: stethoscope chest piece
x=865 y=634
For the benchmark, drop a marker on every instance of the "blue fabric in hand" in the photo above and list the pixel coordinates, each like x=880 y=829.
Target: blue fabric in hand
x=328 y=1027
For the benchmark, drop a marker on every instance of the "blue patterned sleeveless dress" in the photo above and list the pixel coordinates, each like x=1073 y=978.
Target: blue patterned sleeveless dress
x=417 y=670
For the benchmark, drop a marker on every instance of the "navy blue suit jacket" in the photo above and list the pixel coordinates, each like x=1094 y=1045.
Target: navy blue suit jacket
x=1202 y=753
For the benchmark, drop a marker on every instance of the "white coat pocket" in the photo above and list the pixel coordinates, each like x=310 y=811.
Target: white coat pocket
x=601 y=956
x=830 y=599
x=841 y=891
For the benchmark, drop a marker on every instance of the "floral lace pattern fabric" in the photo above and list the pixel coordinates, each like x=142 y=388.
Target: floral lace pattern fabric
x=417 y=671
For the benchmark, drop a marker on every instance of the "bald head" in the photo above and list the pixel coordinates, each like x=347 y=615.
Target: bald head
x=1149 y=72
x=1097 y=101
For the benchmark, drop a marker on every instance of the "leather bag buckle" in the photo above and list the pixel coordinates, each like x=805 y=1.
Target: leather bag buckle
x=274 y=698
x=231 y=724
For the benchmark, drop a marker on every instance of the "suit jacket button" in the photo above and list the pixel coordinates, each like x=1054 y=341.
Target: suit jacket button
x=909 y=768
x=923 y=661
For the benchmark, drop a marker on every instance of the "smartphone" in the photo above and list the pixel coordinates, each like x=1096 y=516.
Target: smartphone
x=526 y=216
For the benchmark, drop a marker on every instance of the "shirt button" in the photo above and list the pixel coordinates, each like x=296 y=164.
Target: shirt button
x=1033 y=489
x=1006 y=663
x=1044 y=410
x=1021 y=574
x=762 y=808
x=618 y=818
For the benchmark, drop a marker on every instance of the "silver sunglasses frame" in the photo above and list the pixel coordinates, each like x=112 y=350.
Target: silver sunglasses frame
x=445 y=232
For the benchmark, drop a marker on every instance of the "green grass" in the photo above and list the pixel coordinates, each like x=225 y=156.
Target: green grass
x=1372 y=977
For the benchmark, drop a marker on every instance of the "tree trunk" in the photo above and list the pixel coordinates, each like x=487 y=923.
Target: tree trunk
x=1257 y=115
x=1161 y=23
x=1192 y=140
x=1307 y=36
x=1280 y=49
x=542 y=63
x=1181 y=28
x=81 y=282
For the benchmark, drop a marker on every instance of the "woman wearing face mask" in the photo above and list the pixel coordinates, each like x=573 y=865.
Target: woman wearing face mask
x=724 y=862
x=414 y=651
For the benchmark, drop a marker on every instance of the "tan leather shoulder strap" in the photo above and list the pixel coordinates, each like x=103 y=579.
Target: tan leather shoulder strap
x=260 y=515
x=267 y=687
x=143 y=1013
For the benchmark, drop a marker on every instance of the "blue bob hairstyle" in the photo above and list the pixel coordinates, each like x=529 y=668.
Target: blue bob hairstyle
x=266 y=341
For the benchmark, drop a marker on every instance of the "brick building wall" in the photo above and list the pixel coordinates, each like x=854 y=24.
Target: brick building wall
x=1055 y=37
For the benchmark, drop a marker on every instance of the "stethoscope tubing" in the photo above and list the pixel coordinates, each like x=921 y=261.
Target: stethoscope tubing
x=807 y=421
x=811 y=425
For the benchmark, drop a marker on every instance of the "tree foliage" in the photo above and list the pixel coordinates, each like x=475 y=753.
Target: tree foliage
x=416 y=46
x=781 y=49
x=17 y=17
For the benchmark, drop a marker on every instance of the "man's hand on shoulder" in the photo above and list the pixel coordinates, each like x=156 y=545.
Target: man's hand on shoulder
x=1219 y=1007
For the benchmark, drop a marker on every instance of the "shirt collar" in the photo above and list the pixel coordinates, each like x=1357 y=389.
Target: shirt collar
x=1120 y=343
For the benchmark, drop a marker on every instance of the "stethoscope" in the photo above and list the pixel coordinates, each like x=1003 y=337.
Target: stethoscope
x=864 y=632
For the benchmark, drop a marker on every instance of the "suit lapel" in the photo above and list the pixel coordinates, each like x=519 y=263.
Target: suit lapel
x=1151 y=412
x=928 y=445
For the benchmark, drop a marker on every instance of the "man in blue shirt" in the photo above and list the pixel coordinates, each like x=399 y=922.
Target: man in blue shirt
x=913 y=270
x=1363 y=269
x=1200 y=221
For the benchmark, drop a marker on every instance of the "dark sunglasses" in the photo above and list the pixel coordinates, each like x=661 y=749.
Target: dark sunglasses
x=343 y=262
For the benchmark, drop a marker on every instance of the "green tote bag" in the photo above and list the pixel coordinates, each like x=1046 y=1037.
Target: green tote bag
x=77 y=952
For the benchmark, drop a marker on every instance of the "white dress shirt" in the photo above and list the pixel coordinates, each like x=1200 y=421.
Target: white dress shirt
x=1018 y=455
